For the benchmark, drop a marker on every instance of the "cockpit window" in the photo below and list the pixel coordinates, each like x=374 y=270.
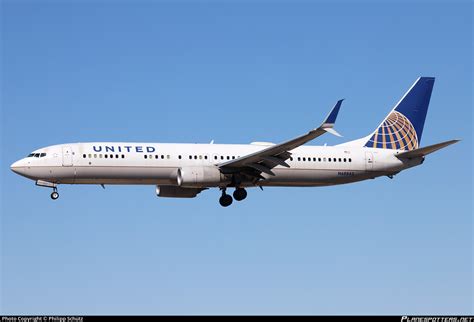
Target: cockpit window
x=36 y=155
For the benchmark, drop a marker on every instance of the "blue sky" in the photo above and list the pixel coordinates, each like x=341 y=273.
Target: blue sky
x=235 y=72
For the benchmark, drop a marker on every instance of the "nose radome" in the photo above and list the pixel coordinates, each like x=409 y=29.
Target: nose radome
x=17 y=167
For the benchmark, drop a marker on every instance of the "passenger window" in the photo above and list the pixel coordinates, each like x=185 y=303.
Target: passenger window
x=90 y=156
x=345 y=159
x=190 y=157
x=350 y=160
x=123 y=156
x=291 y=159
x=324 y=159
x=145 y=156
x=100 y=156
x=205 y=157
x=339 y=159
x=222 y=157
x=195 y=157
x=329 y=159
x=111 y=156
x=179 y=157
x=95 y=156
x=228 y=157
x=200 y=157
x=84 y=156
x=105 y=155
x=299 y=159
x=215 y=157
x=319 y=159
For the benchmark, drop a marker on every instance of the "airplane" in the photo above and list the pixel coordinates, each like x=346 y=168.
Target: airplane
x=185 y=170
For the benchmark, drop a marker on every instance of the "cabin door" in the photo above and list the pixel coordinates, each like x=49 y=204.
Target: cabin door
x=67 y=156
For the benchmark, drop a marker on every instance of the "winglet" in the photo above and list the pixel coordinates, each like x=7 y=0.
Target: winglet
x=328 y=123
x=331 y=118
x=332 y=131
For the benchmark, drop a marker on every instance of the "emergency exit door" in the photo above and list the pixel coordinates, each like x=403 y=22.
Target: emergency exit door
x=369 y=161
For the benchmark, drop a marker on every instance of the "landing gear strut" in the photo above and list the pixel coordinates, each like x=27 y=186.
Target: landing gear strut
x=225 y=200
x=54 y=194
x=240 y=194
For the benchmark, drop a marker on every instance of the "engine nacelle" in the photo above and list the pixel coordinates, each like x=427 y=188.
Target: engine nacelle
x=199 y=177
x=176 y=192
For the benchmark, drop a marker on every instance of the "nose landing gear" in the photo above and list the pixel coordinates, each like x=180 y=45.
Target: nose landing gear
x=47 y=184
x=55 y=194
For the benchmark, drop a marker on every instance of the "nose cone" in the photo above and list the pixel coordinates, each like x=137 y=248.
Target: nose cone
x=18 y=167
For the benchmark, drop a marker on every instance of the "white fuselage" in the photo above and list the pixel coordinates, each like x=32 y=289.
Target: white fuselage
x=158 y=164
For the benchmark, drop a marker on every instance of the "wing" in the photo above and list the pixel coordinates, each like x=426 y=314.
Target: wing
x=264 y=160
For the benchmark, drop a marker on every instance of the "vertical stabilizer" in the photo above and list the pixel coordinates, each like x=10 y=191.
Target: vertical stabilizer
x=403 y=126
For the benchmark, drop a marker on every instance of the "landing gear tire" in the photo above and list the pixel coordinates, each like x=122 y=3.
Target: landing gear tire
x=240 y=194
x=54 y=195
x=225 y=200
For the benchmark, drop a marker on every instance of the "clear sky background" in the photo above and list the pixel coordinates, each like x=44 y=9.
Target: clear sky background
x=235 y=72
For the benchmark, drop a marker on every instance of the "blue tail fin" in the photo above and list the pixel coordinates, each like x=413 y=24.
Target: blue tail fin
x=402 y=128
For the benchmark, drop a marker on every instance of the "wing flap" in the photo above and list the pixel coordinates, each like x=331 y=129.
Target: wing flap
x=275 y=161
x=261 y=168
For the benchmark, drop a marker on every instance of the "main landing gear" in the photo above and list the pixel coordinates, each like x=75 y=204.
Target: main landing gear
x=226 y=200
x=240 y=194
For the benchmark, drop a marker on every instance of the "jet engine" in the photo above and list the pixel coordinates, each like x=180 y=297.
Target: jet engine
x=200 y=177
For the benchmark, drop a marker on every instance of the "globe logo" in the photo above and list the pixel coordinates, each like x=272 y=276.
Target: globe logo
x=396 y=132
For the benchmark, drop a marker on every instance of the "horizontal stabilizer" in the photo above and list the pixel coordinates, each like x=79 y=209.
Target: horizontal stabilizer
x=421 y=152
